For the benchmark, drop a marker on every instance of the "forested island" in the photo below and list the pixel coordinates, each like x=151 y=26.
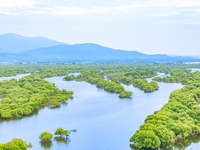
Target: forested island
x=20 y=98
x=178 y=119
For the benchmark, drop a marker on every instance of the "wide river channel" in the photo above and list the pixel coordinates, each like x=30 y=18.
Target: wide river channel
x=103 y=121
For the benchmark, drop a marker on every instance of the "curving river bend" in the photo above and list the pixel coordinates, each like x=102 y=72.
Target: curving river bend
x=103 y=121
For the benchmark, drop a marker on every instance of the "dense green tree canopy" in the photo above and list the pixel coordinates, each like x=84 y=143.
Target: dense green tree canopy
x=22 y=97
x=61 y=132
x=15 y=144
x=125 y=94
x=46 y=136
x=178 y=119
x=69 y=77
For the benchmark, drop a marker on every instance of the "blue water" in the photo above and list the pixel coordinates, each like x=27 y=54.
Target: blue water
x=103 y=121
x=15 y=77
x=194 y=69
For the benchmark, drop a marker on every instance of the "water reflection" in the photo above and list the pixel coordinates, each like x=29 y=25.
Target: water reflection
x=46 y=145
x=62 y=140
x=178 y=145
x=98 y=116
x=34 y=113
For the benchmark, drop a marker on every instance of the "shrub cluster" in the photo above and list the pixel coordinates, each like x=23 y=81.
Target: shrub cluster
x=178 y=119
x=15 y=144
x=47 y=137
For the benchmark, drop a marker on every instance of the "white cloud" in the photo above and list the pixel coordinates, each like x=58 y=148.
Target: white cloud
x=16 y=3
x=150 y=7
x=163 y=3
x=142 y=5
x=65 y=11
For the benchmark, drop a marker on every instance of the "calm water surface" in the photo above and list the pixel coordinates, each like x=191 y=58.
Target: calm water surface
x=194 y=69
x=15 y=77
x=103 y=121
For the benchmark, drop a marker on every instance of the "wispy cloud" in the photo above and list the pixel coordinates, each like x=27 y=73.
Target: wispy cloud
x=66 y=11
x=150 y=7
x=17 y=3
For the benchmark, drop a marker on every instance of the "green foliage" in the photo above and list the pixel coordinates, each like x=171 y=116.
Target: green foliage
x=145 y=86
x=46 y=136
x=22 y=97
x=125 y=79
x=15 y=144
x=106 y=85
x=125 y=94
x=141 y=74
x=178 y=119
x=62 y=132
x=69 y=77
x=116 y=80
x=145 y=139
x=180 y=75
x=11 y=70
x=135 y=78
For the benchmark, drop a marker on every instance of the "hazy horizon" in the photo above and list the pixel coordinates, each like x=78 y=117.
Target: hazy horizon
x=169 y=27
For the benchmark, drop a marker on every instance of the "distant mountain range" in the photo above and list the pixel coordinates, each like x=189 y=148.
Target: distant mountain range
x=6 y=57
x=13 y=43
x=91 y=52
x=198 y=56
x=17 y=48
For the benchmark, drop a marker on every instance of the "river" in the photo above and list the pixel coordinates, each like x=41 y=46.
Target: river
x=15 y=77
x=103 y=121
x=194 y=69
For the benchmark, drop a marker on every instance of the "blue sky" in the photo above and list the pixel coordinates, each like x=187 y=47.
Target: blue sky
x=148 y=26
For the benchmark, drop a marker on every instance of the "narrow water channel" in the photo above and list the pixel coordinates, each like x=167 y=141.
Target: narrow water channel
x=15 y=77
x=102 y=120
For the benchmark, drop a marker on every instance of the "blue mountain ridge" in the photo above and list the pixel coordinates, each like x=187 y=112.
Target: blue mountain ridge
x=90 y=51
x=17 y=48
x=14 y=43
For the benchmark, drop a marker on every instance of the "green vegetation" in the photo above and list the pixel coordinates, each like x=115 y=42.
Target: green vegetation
x=14 y=70
x=129 y=77
x=15 y=144
x=20 y=98
x=125 y=94
x=69 y=77
x=145 y=86
x=141 y=74
x=176 y=75
x=113 y=70
x=46 y=136
x=62 y=132
x=178 y=119
x=139 y=83
x=108 y=86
